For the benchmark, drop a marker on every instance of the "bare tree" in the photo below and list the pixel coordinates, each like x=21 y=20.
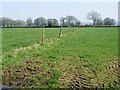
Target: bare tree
x=6 y=22
x=29 y=22
x=77 y=23
x=41 y=22
x=62 y=21
x=49 y=23
x=99 y=22
x=55 y=22
x=65 y=23
x=20 y=23
x=109 y=21
x=37 y=22
x=52 y=22
x=94 y=16
x=71 y=20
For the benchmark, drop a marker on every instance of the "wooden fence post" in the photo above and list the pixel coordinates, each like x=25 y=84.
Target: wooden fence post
x=60 y=34
x=68 y=28
x=43 y=34
x=73 y=28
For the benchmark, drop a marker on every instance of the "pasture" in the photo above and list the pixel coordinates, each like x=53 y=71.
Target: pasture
x=83 y=58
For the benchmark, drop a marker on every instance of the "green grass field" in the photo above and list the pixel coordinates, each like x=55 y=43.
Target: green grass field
x=84 y=58
x=21 y=37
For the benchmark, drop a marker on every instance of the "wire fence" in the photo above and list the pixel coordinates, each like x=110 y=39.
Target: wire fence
x=18 y=37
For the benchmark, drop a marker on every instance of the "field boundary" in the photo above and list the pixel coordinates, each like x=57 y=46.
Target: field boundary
x=18 y=52
x=58 y=26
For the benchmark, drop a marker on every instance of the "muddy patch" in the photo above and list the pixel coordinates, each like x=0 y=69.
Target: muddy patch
x=92 y=77
x=79 y=75
x=18 y=75
x=68 y=72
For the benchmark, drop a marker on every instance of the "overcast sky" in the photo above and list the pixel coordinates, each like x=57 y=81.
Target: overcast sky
x=23 y=10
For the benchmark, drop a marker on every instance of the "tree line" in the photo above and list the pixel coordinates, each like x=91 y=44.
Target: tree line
x=69 y=21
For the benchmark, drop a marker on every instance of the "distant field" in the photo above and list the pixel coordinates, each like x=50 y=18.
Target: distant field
x=85 y=58
x=20 y=37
